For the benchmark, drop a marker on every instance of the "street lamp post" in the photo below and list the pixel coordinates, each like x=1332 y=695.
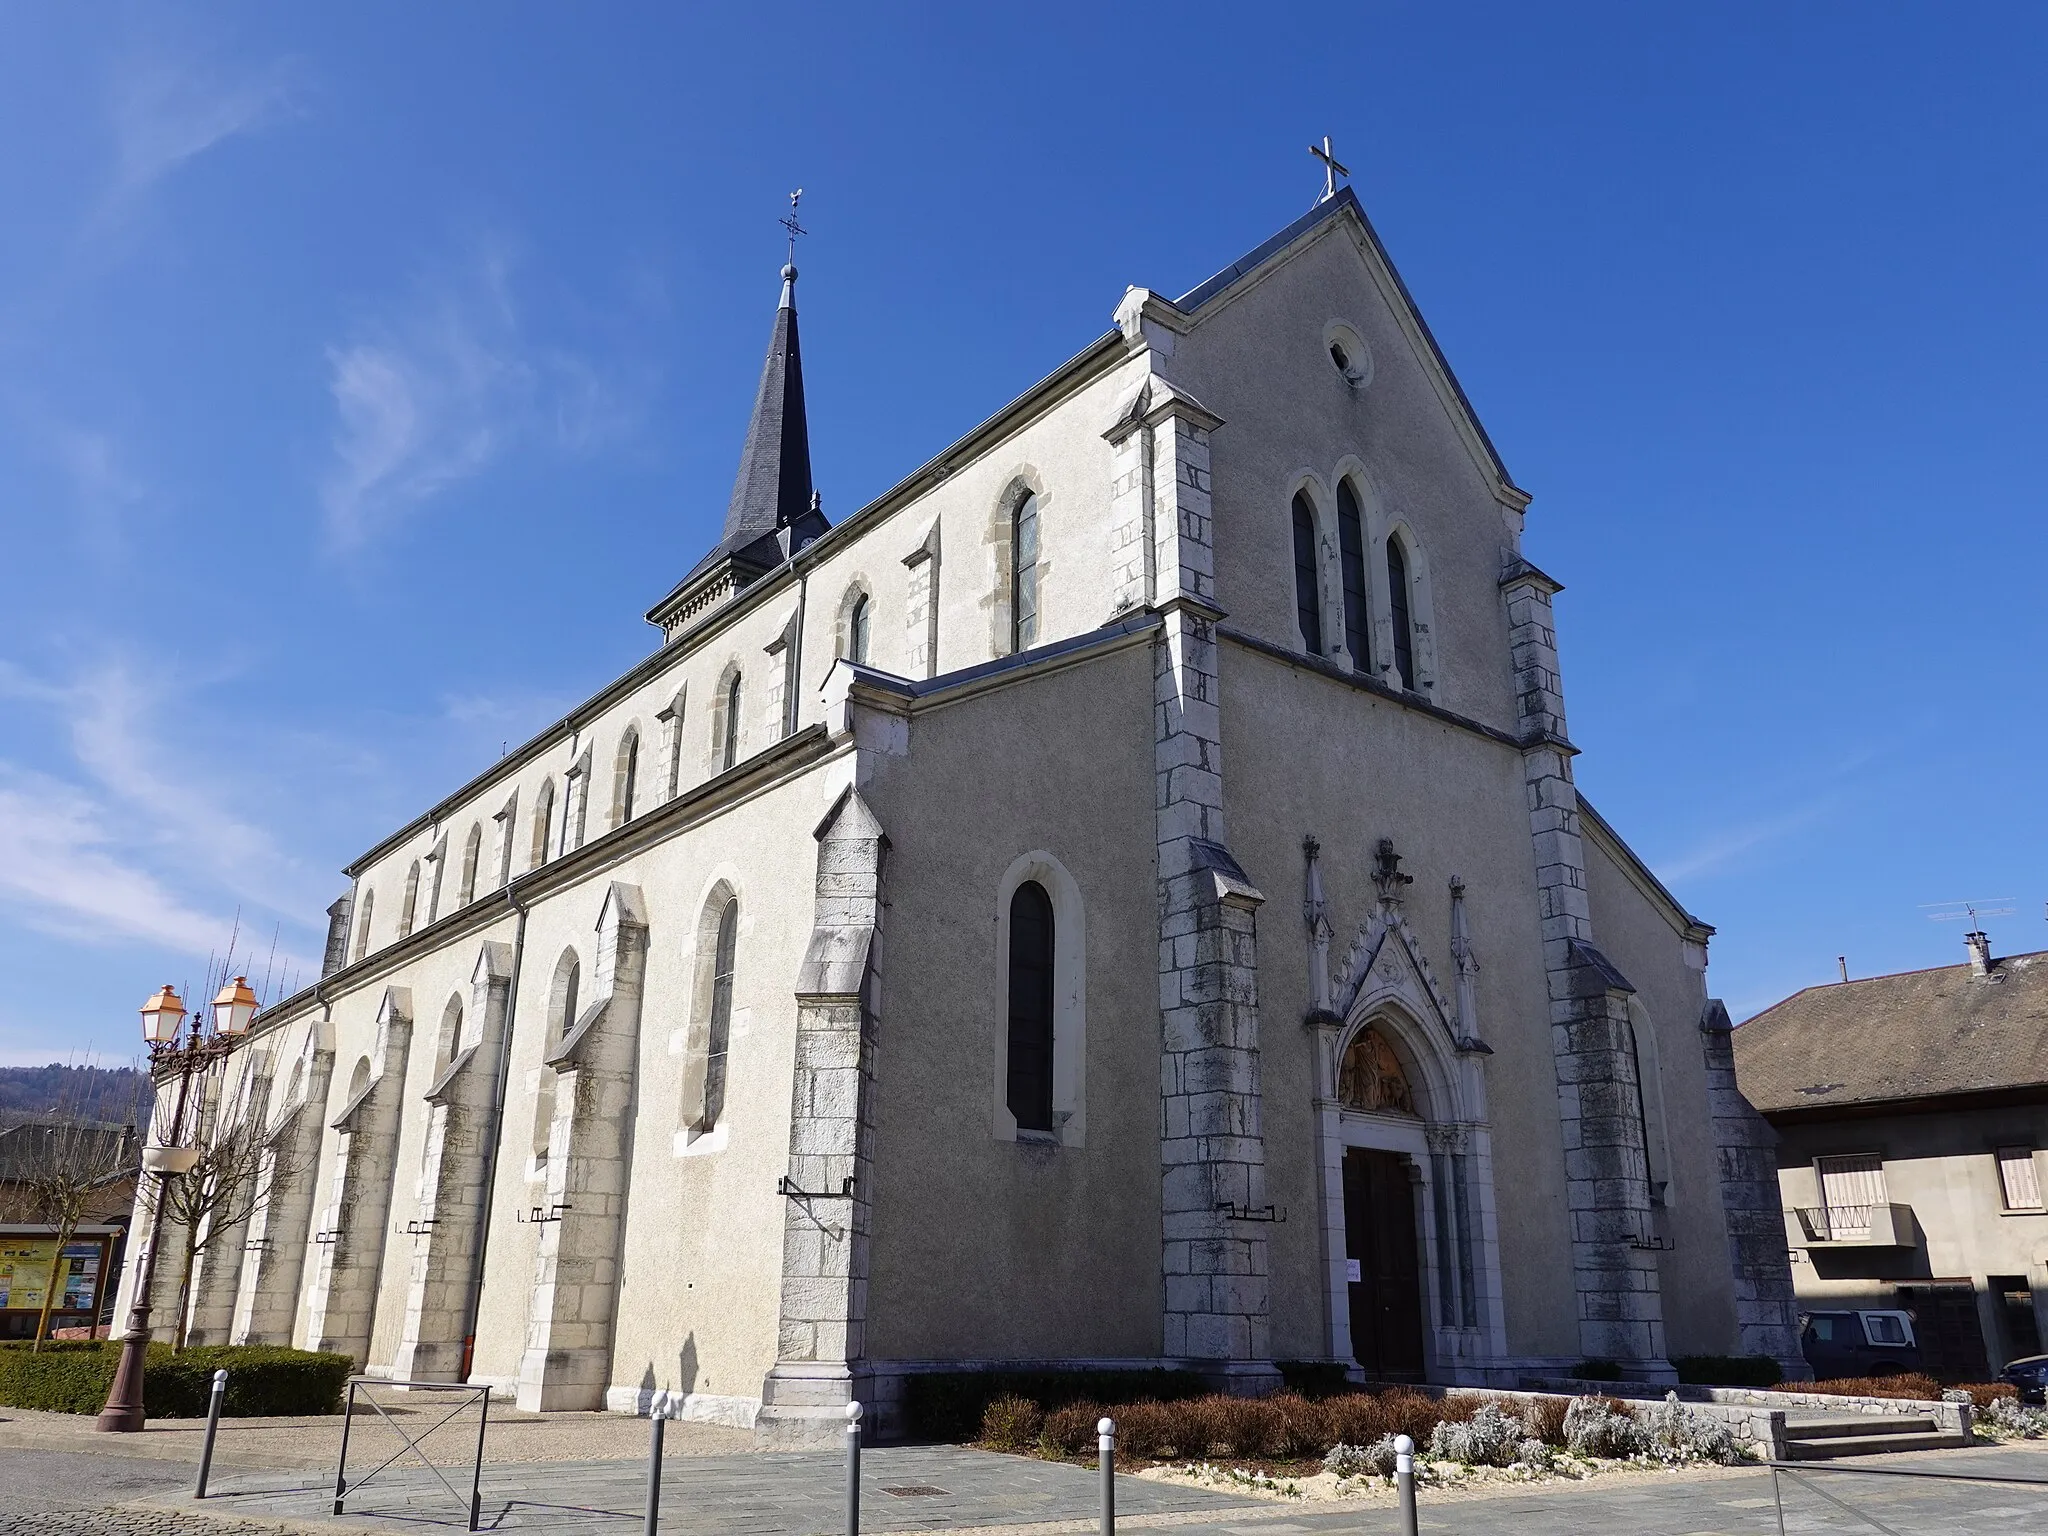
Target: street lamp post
x=186 y=1058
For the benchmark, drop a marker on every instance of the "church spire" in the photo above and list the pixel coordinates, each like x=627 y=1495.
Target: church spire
x=773 y=488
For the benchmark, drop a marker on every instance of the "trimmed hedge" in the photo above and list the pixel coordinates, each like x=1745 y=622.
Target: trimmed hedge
x=1315 y=1378
x=1728 y=1370
x=73 y=1377
x=949 y=1405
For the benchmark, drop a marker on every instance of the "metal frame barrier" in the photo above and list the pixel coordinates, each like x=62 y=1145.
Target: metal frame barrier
x=480 y=1395
x=1802 y=1472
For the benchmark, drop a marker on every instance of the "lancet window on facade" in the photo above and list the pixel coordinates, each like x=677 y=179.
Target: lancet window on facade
x=729 y=725
x=472 y=851
x=410 y=908
x=1351 y=556
x=561 y=1019
x=1031 y=1007
x=718 y=1038
x=1024 y=573
x=626 y=777
x=543 y=814
x=859 y=620
x=363 y=925
x=1397 y=604
x=1308 y=581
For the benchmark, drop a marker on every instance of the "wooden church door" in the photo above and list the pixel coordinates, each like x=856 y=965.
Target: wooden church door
x=1385 y=1270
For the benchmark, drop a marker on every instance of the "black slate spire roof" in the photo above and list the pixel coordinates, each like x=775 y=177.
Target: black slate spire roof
x=773 y=488
x=774 y=510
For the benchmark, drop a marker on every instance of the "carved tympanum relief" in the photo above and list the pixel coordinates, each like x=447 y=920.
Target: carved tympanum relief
x=1370 y=1076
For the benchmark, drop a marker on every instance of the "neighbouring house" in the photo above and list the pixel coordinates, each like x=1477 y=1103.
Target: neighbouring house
x=1912 y=1111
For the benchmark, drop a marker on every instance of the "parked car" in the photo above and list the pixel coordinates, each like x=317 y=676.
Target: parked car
x=2029 y=1376
x=1874 y=1343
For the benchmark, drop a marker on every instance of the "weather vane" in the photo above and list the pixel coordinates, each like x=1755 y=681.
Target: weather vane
x=791 y=224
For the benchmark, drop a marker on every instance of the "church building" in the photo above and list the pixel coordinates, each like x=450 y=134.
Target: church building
x=1118 y=899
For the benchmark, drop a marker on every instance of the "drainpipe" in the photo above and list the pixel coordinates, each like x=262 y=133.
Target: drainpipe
x=473 y=1303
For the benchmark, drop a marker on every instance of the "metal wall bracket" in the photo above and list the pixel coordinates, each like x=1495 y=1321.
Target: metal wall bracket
x=1238 y=1212
x=786 y=1187
x=538 y=1216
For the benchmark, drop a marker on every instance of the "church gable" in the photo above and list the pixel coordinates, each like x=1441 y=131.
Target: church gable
x=1382 y=330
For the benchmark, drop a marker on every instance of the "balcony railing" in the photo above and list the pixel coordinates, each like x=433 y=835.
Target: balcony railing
x=1852 y=1226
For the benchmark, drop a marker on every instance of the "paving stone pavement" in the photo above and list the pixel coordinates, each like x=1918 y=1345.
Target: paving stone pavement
x=70 y=1493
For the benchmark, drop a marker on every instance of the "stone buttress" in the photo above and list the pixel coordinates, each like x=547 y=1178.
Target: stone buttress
x=1746 y=1148
x=576 y=1268
x=827 y=1194
x=1607 y=1175
x=341 y=1297
x=217 y=1267
x=451 y=1189
x=1213 y=1248
x=280 y=1228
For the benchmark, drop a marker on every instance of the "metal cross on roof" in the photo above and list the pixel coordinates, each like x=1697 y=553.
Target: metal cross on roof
x=791 y=224
x=1332 y=169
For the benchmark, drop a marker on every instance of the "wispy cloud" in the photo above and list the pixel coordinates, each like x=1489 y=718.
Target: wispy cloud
x=104 y=489
x=62 y=871
x=140 y=842
x=444 y=386
x=167 y=106
x=1727 y=846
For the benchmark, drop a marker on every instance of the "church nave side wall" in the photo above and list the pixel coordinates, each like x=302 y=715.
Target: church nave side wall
x=988 y=1248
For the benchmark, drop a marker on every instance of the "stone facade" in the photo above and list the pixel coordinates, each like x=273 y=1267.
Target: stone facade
x=681 y=1136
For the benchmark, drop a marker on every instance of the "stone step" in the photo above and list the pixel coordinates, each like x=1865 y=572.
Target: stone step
x=1861 y=1424
x=1827 y=1449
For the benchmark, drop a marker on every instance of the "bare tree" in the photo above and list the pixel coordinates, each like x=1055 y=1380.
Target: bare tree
x=68 y=1171
x=243 y=1163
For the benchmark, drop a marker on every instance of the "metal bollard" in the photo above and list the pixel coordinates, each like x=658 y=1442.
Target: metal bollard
x=853 y=1469
x=220 y=1390
x=1404 y=1481
x=1105 y=1445
x=657 y=1417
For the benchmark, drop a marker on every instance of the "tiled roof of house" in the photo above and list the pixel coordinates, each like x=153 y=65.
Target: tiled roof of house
x=1915 y=1035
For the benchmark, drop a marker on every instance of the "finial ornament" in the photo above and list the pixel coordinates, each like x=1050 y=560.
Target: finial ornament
x=1386 y=871
x=1332 y=169
x=794 y=229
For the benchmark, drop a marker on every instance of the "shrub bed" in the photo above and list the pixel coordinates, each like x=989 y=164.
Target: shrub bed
x=1354 y=1433
x=74 y=1377
x=951 y=1405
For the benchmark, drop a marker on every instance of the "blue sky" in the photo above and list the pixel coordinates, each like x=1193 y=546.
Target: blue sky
x=366 y=371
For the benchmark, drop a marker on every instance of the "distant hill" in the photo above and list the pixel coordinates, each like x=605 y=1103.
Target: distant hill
x=112 y=1095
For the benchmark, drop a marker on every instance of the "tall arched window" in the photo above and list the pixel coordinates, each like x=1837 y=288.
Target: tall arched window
x=1024 y=574
x=673 y=715
x=718 y=1040
x=363 y=924
x=857 y=622
x=626 y=778
x=1308 y=600
x=561 y=1019
x=1031 y=989
x=450 y=1036
x=508 y=831
x=472 y=851
x=729 y=748
x=1397 y=605
x=543 y=816
x=407 y=912
x=1351 y=550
